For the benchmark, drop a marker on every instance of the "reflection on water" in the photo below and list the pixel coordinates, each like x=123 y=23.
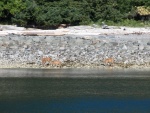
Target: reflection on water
x=46 y=91
x=72 y=73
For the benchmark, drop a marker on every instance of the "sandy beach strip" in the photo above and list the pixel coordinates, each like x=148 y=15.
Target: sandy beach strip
x=78 y=30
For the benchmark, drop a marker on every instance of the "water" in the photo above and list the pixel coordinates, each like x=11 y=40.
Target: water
x=74 y=91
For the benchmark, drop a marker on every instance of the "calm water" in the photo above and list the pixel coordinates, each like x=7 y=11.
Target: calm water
x=74 y=91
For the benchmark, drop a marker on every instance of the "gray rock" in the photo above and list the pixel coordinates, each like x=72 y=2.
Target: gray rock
x=15 y=38
x=104 y=26
x=3 y=48
x=79 y=41
x=1 y=43
x=148 y=43
x=29 y=41
x=11 y=43
x=111 y=36
x=25 y=46
x=36 y=39
x=141 y=47
x=147 y=48
x=6 y=38
x=114 y=43
x=49 y=39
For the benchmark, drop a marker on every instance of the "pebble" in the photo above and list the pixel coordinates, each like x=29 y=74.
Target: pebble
x=148 y=43
x=74 y=51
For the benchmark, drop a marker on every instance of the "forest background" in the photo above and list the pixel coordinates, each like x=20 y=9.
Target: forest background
x=52 y=13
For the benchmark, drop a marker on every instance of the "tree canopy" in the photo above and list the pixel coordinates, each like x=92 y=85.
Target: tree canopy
x=52 y=13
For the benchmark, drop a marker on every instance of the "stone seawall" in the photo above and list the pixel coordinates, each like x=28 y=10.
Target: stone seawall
x=75 y=51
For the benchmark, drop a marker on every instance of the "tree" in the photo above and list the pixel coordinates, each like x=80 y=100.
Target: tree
x=52 y=13
x=27 y=15
x=10 y=7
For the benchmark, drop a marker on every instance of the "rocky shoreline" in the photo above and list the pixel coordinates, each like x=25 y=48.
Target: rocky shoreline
x=76 y=51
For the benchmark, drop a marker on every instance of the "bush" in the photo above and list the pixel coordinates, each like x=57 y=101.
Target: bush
x=52 y=13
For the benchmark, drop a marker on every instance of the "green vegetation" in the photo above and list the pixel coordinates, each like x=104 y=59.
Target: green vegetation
x=52 y=13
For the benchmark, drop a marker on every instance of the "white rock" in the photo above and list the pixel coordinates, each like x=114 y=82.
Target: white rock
x=87 y=37
x=40 y=52
x=62 y=48
x=124 y=47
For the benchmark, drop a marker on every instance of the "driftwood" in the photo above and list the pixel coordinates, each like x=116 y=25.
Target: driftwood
x=44 y=33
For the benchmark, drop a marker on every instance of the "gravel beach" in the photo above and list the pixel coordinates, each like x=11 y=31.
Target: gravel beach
x=76 y=47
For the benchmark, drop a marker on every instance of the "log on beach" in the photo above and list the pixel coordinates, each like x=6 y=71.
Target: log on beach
x=44 y=33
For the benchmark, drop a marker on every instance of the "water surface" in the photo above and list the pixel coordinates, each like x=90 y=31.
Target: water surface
x=74 y=91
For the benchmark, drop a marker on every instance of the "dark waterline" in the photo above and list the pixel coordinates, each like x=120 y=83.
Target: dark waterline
x=74 y=91
x=74 y=73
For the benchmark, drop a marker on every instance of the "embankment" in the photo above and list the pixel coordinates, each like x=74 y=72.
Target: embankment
x=75 y=51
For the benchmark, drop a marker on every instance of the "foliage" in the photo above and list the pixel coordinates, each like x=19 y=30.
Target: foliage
x=141 y=10
x=52 y=13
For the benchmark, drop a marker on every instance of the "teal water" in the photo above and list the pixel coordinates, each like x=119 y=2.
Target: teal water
x=24 y=92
